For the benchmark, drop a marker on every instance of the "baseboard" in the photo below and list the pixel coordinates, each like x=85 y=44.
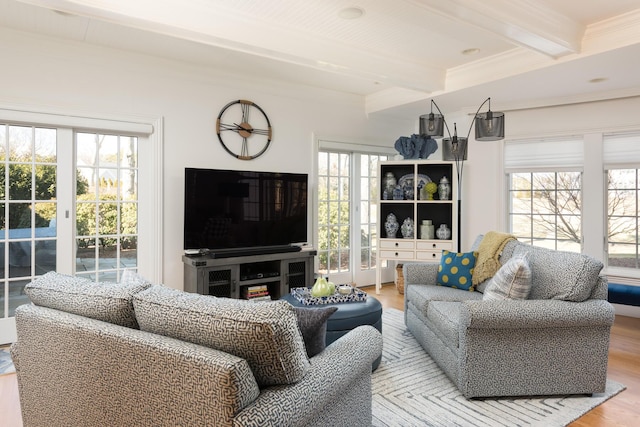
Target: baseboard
x=627 y=310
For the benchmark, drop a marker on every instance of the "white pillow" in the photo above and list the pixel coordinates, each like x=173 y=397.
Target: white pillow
x=512 y=281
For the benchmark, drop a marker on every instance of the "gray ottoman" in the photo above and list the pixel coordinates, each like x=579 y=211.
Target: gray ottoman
x=349 y=316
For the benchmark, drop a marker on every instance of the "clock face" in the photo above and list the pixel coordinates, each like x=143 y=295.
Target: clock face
x=243 y=129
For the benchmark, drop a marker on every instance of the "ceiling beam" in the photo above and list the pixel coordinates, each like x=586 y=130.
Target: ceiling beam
x=523 y=22
x=199 y=22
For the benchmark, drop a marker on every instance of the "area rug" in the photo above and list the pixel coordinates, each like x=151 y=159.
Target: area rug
x=6 y=364
x=410 y=390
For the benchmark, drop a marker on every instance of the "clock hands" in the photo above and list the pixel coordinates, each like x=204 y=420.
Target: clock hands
x=244 y=129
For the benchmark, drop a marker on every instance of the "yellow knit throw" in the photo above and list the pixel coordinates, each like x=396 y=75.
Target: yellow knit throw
x=489 y=251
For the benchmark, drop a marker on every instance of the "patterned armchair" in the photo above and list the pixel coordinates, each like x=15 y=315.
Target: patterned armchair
x=81 y=360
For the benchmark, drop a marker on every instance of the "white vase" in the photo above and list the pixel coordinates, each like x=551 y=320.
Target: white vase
x=444 y=189
x=427 y=230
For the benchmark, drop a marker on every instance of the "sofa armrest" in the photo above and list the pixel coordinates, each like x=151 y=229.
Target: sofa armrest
x=345 y=362
x=529 y=314
x=422 y=273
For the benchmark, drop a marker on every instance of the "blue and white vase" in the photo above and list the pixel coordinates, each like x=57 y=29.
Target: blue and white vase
x=443 y=233
x=389 y=183
x=398 y=193
x=407 y=228
x=391 y=226
x=444 y=189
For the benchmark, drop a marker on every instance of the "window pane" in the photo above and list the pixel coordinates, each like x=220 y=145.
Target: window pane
x=546 y=208
x=20 y=143
x=106 y=204
x=622 y=223
x=20 y=181
x=45 y=145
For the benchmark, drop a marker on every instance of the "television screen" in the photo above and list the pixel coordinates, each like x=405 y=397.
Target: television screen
x=226 y=209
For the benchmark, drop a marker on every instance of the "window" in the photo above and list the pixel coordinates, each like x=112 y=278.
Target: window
x=546 y=209
x=28 y=206
x=622 y=218
x=621 y=156
x=106 y=205
x=333 y=212
x=38 y=216
x=347 y=215
x=545 y=192
x=369 y=209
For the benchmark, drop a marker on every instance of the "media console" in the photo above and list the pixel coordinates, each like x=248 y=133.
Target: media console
x=232 y=276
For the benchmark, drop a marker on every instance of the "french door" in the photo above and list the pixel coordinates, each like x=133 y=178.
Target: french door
x=68 y=203
x=28 y=213
x=347 y=215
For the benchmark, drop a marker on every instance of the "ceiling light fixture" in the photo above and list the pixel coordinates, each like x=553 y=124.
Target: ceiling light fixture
x=489 y=127
x=598 y=80
x=471 y=51
x=353 y=12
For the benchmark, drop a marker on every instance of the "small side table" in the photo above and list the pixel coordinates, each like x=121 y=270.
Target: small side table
x=348 y=316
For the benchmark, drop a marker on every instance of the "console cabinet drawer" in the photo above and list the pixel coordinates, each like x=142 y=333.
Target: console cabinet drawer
x=404 y=255
x=435 y=245
x=397 y=244
x=429 y=256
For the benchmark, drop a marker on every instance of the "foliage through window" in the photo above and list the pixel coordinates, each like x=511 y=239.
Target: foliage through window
x=545 y=209
x=622 y=218
x=106 y=205
x=333 y=211
x=347 y=212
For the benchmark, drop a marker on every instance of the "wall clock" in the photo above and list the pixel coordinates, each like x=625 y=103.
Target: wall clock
x=243 y=129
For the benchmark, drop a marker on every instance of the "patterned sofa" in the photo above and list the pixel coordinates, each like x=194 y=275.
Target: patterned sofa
x=135 y=354
x=553 y=342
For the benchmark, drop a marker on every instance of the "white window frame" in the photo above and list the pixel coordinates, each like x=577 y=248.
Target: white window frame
x=564 y=153
x=352 y=147
x=150 y=142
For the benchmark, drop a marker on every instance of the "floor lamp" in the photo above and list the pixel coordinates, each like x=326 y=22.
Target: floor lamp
x=489 y=127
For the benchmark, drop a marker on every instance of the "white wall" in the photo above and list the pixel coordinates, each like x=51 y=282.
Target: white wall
x=61 y=76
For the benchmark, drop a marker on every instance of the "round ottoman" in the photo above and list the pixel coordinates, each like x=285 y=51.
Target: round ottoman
x=349 y=316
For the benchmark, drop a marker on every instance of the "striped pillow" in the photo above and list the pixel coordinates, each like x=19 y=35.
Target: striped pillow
x=512 y=281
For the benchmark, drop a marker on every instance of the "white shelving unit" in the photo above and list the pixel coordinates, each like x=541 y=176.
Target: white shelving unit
x=412 y=175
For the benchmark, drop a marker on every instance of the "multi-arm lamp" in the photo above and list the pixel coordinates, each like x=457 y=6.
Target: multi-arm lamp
x=489 y=127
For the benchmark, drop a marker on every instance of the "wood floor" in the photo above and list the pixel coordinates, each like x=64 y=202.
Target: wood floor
x=624 y=367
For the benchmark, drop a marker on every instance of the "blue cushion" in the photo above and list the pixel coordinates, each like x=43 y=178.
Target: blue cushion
x=456 y=270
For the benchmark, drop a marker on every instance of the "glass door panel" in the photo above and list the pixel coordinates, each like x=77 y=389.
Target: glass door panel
x=28 y=209
x=347 y=216
x=106 y=205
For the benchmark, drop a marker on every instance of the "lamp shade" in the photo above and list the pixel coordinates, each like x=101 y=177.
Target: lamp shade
x=489 y=126
x=454 y=150
x=432 y=125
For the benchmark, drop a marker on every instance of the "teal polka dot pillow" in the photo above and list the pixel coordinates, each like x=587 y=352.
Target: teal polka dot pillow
x=456 y=269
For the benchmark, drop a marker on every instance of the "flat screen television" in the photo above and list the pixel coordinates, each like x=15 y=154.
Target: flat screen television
x=234 y=210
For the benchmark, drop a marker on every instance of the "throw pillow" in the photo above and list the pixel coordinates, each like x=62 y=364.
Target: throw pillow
x=560 y=275
x=456 y=270
x=131 y=277
x=264 y=333
x=109 y=302
x=313 y=326
x=512 y=281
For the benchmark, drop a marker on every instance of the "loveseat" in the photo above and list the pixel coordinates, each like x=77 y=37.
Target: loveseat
x=555 y=341
x=135 y=354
